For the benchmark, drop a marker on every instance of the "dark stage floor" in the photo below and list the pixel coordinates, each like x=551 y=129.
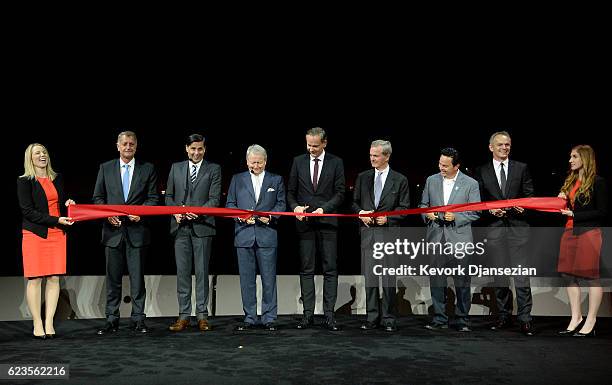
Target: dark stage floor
x=413 y=355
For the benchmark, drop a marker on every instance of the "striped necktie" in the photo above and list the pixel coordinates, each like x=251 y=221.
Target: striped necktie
x=194 y=173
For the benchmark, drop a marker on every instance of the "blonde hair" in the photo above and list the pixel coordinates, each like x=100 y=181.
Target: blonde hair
x=29 y=170
x=589 y=170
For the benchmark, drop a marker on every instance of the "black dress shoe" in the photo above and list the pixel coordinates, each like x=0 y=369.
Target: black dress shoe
x=271 y=326
x=503 y=323
x=436 y=326
x=140 y=327
x=305 y=323
x=369 y=325
x=528 y=329
x=243 y=327
x=390 y=327
x=109 y=327
x=331 y=325
x=463 y=329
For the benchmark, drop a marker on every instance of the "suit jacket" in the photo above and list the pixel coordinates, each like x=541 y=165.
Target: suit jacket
x=330 y=189
x=206 y=192
x=593 y=214
x=465 y=191
x=271 y=198
x=35 y=207
x=395 y=195
x=109 y=191
x=518 y=185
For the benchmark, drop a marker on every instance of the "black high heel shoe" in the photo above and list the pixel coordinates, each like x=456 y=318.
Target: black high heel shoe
x=567 y=332
x=44 y=336
x=50 y=336
x=589 y=334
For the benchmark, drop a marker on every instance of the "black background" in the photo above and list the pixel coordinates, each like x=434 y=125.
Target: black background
x=77 y=107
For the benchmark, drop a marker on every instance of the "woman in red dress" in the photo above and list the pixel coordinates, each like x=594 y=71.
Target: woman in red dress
x=41 y=193
x=580 y=249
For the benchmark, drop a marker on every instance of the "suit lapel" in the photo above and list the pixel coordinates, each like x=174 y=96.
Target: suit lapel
x=493 y=180
x=387 y=187
x=369 y=182
x=440 y=187
x=201 y=172
x=264 y=188
x=324 y=171
x=246 y=179
x=135 y=179
x=182 y=175
x=305 y=170
x=458 y=183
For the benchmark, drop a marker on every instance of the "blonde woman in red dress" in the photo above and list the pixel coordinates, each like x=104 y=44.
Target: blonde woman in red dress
x=41 y=197
x=580 y=249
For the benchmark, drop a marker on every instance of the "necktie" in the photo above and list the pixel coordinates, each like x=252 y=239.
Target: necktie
x=377 y=188
x=194 y=173
x=126 y=182
x=502 y=179
x=315 y=174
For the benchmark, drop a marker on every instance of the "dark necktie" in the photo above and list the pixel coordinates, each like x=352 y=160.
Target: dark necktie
x=194 y=173
x=315 y=174
x=502 y=179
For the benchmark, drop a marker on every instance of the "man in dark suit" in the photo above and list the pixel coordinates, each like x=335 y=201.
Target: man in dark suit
x=194 y=182
x=316 y=184
x=508 y=232
x=125 y=181
x=450 y=186
x=255 y=238
x=380 y=189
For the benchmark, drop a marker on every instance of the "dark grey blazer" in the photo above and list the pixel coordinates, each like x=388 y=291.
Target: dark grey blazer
x=109 y=191
x=395 y=195
x=206 y=192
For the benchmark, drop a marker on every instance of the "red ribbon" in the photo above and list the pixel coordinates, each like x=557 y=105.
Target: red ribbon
x=80 y=212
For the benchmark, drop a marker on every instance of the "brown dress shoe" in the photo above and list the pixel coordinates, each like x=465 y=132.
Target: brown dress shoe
x=203 y=325
x=179 y=325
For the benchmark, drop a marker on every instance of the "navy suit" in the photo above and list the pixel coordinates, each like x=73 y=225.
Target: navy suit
x=256 y=244
x=129 y=240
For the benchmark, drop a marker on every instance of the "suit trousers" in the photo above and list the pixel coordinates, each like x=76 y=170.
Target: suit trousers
x=190 y=252
x=438 y=284
x=509 y=250
x=116 y=257
x=381 y=310
x=326 y=243
x=250 y=259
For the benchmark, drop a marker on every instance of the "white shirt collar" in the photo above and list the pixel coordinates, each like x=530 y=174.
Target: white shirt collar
x=320 y=157
x=496 y=163
x=131 y=163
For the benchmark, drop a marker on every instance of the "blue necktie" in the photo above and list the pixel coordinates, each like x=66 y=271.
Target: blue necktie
x=126 y=182
x=377 y=188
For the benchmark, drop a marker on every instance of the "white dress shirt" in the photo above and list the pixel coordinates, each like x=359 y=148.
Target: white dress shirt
x=497 y=167
x=312 y=163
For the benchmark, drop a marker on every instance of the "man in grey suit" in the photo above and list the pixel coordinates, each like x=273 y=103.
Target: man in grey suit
x=380 y=189
x=255 y=238
x=194 y=182
x=450 y=186
x=125 y=181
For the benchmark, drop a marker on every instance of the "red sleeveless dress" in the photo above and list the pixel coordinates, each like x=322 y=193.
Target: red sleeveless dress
x=42 y=256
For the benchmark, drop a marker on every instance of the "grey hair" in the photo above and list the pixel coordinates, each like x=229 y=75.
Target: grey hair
x=127 y=133
x=492 y=138
x=317 y=131
x=385 y=144
x=258 y=150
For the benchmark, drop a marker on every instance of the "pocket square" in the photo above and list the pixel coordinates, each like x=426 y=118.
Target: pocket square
x=270 y=189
